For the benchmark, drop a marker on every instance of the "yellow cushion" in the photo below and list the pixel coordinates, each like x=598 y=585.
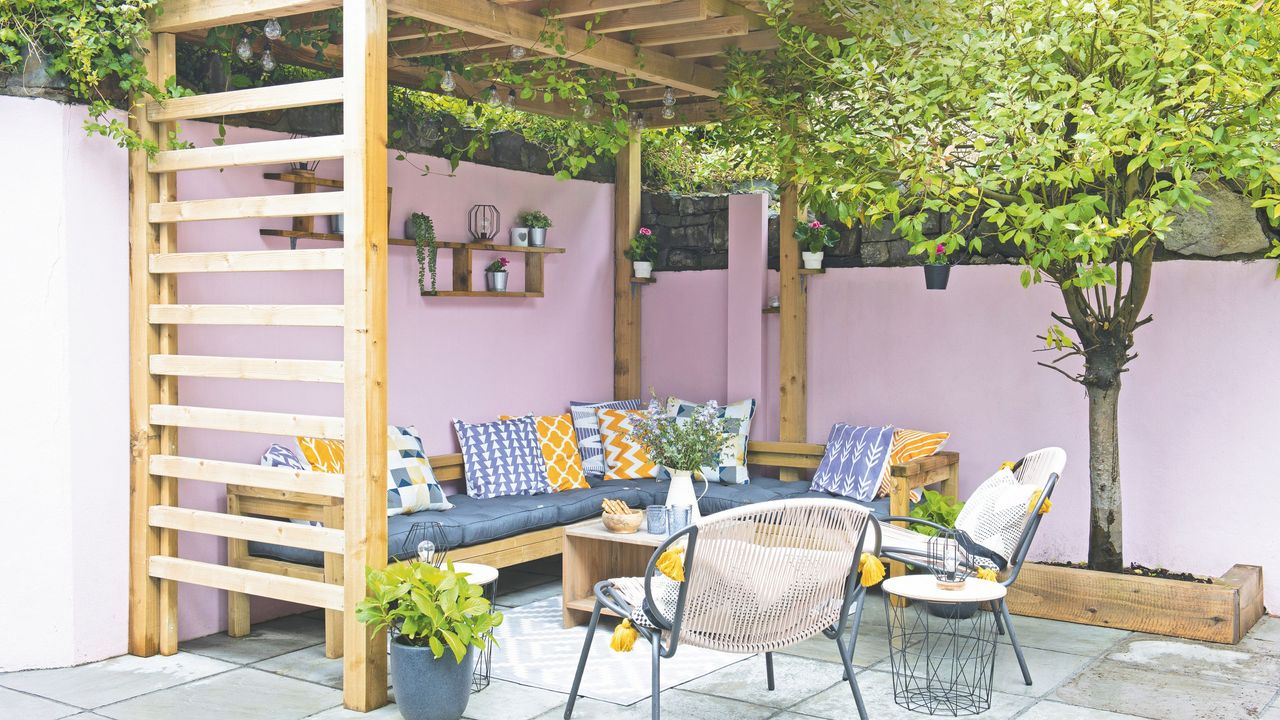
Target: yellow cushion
x=559 y=446
x=323 y=455
x=625 y=459
x=908 y=445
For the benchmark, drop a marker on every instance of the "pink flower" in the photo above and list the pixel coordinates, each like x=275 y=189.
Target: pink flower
x=646 y=231
x=941 y=249
x=815 y=225
x=503 y=262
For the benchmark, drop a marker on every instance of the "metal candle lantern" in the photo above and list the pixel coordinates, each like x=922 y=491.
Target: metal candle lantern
x=484 y=222
x=948 y=560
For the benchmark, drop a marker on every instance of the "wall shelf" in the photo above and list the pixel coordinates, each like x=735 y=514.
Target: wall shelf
x=481 y=293
x=771 y=310
x=807 y=271
x=487 y=247
x=643 y=281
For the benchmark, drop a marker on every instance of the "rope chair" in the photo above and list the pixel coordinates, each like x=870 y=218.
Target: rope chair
x=1008 y=532
x=749 y=580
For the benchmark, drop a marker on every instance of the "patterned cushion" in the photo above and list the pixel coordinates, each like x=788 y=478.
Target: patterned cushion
x=323 y=455
x=910 y=445
x=279 y=456
x=559 y=446
x=855 y=458
x=996 y=513
x=625 y=459
x=502 y=458
x=731 y=467
x=411 y=486
x=587 y=427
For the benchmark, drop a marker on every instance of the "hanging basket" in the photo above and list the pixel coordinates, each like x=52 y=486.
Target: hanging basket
x=936 y=276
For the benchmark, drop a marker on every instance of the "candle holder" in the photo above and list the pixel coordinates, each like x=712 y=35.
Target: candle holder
x=948 y=560
x=483 y=222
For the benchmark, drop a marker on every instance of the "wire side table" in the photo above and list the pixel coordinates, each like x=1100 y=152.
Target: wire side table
x=942 y=645
x=487 y=577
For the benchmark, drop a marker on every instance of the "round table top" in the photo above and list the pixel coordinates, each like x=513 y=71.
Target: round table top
x=925 y=587
x=477 y=574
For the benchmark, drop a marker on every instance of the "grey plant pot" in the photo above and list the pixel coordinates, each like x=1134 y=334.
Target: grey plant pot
x=537 y=237
x=431 y=689
x=495 y=281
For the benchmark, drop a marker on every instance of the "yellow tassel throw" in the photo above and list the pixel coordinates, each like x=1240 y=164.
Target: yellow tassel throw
x=986 y=574
x=1035 y=498
x=1007 y=465
x=871 y=568
x=624 y=637
x=671 y=563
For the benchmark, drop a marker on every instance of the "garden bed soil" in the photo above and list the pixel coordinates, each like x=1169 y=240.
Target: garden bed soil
x=1144 y=600
x=1144 y=571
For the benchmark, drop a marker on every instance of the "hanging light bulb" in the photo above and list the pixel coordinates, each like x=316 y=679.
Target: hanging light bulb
x=669 y=97
x=447 y=83
x=517 y=52
x=510 y=102
x=637 y=121
x=491 y=97
x=588 y=109
x=244 y=49
x=272 y=29
x=668 y=112
x=426 y=550
x=268 y=61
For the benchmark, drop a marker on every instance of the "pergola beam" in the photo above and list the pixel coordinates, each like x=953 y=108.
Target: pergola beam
x=183 y=15
x=513 y=27
x=562 y=9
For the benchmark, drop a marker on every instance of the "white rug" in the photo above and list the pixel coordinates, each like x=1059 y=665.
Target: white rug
x=535 y=649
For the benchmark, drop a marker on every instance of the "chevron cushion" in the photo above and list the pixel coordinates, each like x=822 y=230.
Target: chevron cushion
x=587 y=427
x=856 y=457
x=625 y=459
x=910 y=445
x=411 y=486
x=731 y=466
x=502 y=458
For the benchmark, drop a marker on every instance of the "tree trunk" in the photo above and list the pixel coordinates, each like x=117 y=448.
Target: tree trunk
x=1105 y=531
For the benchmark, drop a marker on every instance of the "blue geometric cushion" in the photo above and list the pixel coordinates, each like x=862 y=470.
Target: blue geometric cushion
x=587 y=427
x=411 y=485
x=854 y=460
x=279 y=456
x=502 y=458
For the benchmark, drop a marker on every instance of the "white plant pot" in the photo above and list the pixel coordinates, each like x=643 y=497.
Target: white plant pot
x=812 y=260
x=681 y=493
x=642 y=269
x=520 y=237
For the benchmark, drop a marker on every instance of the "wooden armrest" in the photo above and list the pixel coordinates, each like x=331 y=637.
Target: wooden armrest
x=922 y=465
x=447 y=468
x=785 y=454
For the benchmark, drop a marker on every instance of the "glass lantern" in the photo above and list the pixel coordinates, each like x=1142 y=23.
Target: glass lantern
x=484 y=222
x=948 y=560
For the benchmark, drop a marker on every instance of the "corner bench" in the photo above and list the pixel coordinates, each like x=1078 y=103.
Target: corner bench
x=508 y=531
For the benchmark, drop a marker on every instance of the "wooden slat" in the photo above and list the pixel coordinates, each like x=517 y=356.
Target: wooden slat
x=404 y=242
x=303 y=592
x=751 y=42
x=301 y=149
x=561 y=9
x=272 y=315
x=282 y=567
x=180 y=15
x=246 y=492
x=243 y=368
x=935 y=461
x=637 y=18
x=702 y=30
x=282 y=509
x=298 y=178
x=790 y=448
x=232 y=473
x=248 y=528
x=447 y=467
x=626 y=297
x=248 y=421
x=793 y=364
x=236 y=102
x=483 y=293
x=265 y=206
x=246 y=261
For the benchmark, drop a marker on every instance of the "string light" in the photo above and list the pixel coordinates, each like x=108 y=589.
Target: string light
x=669 y=97
x=637 y=121
x=244 y=49
x=268 y=60
x=517 y=52
x=510 y=103
x=491 y=96
x=272 y=29
x=668 y=112
x=447 y=83
x=588 y=109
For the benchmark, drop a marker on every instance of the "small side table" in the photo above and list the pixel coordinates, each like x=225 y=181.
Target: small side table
x=942 y=645
x=485 y=576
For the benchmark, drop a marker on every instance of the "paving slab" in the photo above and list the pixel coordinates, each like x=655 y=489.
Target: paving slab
x=1064 y=637
x=1048 y=670
x=308 y=664
x=872 y=647
x=267 y=640
x=519 y=598
x=504 y=700
x=244 y=694
x=877 y=693
x=511 y=579
x=1272 y=714
x=1154 y=652
x=592 y=709
x=113 y=680
x=1118 y=687
x=796 y=679
x=20 y=706
x=386 y=712
x=1049 y=710
x=1264 y=637
x=684 y=705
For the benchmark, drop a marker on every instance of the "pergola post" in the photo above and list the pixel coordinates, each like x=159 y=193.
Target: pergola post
x=793 y=364
x=364 y=119
x=626 y=296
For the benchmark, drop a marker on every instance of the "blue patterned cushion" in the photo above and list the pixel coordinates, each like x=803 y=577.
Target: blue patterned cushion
x=502 y=458
x=853 y=462
x=731 y=464
x=411 y=486
x=279 y=456
x=587 y=427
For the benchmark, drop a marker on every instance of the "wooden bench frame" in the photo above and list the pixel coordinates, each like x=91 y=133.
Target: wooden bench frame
x=942 y=469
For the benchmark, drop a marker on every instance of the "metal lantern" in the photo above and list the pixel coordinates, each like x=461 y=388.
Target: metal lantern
x=484 y=222
x=948 y=560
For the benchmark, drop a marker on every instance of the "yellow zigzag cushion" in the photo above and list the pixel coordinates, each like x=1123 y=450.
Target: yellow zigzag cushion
x=625 y=459
x=908 y=445
x=559 y=445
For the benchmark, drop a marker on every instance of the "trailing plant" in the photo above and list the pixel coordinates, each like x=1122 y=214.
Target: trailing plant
x=936 y=508
x=424 y=241
x=643 y=248
x=426 y=606
x=499 y=265
x=816 y=237
x=534 y=219
x=690 y=443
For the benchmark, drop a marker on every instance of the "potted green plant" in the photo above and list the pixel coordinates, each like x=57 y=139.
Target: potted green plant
x=683 y=445
x=495 y=275
x=423 y=231
x=814 y=238
x=937 y=270
x=437 y=621
x=537 y=223
x=642 y=253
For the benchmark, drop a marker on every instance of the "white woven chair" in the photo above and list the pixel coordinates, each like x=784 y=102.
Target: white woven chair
x=757 y=579
x=1041 y=470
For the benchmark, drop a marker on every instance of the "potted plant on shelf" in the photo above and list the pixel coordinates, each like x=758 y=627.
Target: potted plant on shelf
x=682 y=445
x=814 y=238
x=437 y=620
x=642 y=253
x=537 y=223
x=495 y=275
x=937 y=270
x=423 y=231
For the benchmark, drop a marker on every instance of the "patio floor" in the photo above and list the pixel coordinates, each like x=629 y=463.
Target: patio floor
x=280 y=673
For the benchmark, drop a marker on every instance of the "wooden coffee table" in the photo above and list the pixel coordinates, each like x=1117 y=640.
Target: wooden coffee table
x=592 y=554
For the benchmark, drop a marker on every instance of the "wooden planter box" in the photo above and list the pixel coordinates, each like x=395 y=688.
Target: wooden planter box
x=1222 y=612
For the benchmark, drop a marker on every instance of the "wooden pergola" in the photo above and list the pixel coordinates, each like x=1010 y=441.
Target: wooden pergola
x=655 y=43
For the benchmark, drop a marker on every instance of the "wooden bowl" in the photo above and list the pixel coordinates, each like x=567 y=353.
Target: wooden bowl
x=623 y=523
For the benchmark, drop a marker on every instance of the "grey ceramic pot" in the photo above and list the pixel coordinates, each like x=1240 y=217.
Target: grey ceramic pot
x=431 y=689
x=537 y=237
x=495 y=281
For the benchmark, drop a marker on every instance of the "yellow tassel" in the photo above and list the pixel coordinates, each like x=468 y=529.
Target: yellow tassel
x=624 y=637
x=871 y=568
x=986 y=574
x=1035 y=498
x=671 y=563
x=1006 y=465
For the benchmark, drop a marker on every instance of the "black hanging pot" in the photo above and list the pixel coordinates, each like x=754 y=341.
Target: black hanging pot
x=936 y=276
